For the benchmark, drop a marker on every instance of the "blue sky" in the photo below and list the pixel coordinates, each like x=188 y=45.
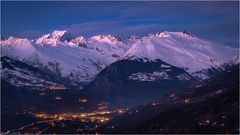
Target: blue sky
x=216 y=21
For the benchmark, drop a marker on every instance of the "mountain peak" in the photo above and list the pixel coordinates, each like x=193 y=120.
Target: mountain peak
x=163 y=34
x=107 y=38
x=58 y=33
x=169 y=34
x=15 y=41
x=80 y=41
x=188 y=33
x=54 y=38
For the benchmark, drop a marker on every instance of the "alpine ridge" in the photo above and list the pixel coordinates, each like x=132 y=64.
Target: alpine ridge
x=81 y=58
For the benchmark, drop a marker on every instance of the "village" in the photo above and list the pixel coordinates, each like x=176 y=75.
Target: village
x=85 y=122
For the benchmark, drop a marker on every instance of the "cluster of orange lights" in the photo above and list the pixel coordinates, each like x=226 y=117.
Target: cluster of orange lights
x=121 y=110
x=98 y=116
x=83 y=117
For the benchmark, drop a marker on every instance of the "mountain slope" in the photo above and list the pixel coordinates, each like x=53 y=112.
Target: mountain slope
x=21 y=74
x=183 y=50
x=132 y=82
x=78 y=59
x=212 y=106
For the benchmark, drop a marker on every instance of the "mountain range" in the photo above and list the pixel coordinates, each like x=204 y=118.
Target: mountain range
x=80 y=59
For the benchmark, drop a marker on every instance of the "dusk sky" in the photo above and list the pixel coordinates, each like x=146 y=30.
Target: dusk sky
x=216 y=21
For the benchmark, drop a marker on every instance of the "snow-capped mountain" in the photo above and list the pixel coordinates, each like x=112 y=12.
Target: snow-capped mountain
x=54 y=38
x=183 y=50
x=79 y=41
x=20 y=74
x=81 y=59
x=17 y=47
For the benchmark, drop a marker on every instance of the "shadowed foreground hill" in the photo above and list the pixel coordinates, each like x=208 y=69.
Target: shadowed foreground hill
x=212 y=106
x=133 y=82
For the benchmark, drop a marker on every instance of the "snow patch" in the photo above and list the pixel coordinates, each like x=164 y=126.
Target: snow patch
x=156 y=75
x=183 y=77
